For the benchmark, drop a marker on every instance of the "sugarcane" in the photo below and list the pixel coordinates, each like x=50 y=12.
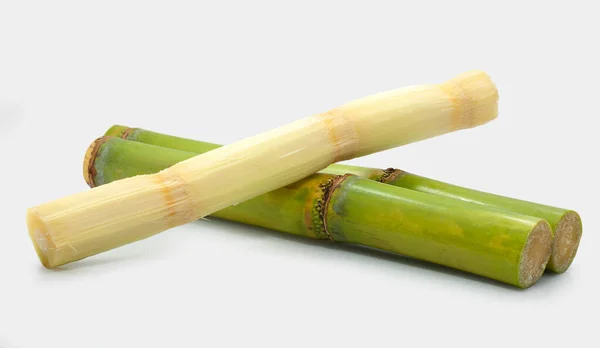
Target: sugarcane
x=125 y=211
x=505 y=246
x=566 y=224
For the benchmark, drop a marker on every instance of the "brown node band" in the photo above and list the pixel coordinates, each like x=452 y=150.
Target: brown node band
x=126 y=133
x=329 y=188
x=390 y=174
x=89 y=169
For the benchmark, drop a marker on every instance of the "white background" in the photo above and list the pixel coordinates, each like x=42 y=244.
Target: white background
x=222 y=70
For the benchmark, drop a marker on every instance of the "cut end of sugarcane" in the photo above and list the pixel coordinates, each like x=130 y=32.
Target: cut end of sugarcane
x=475 y=95
x=89 y=170
x=536 y=254
x=566 y=242
x=107 y=216
x=39 y=236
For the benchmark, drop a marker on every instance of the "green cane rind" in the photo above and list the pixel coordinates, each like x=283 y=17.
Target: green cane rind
x=291 y=209
x=107 y=150
x=168 y=141
x=491 y=243
x=566 y=224
x=116 y=131
x=342 y=169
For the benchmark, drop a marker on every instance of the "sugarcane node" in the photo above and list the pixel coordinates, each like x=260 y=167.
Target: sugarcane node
x=390 y=174
x=328 y=188
x=341 y=133
x=318 y=223
x=89 y=160
x=127 y=132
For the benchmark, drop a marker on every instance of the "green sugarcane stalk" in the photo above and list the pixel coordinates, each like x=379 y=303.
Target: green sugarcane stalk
x=566 y=224
x=504 y=246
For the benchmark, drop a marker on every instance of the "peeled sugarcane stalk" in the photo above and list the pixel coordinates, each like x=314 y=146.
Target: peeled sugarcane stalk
x=132 y=209
x=566 y=224
x=500 y=245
